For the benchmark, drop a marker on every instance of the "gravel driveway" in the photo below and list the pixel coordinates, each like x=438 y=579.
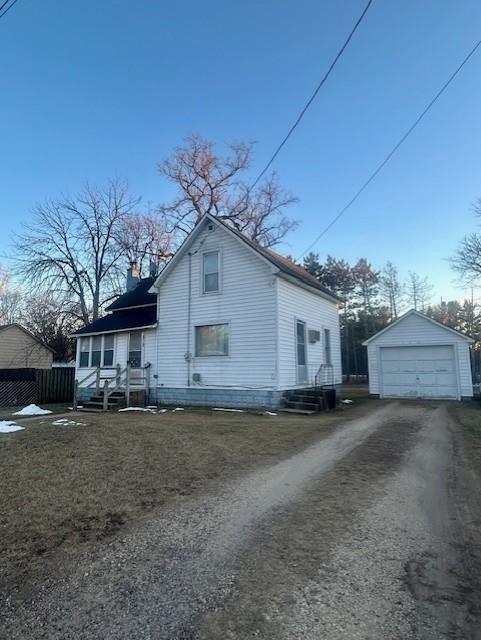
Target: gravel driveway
x=355 y=537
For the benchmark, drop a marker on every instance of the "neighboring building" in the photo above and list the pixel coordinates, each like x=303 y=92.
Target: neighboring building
x=20 y=349
x=226 y=322
x=417 y=357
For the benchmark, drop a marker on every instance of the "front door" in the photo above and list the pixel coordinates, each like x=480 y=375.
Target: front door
x=135 y=356
x=301 y=352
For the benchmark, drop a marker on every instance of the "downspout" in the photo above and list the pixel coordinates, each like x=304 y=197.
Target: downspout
x=188 y=355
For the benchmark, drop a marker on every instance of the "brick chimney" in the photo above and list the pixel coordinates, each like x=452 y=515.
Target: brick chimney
x=133 y=275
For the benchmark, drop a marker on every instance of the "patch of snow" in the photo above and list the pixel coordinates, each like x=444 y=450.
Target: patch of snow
x=270 y=413
x=9 y=426
x=179 y=409
x=31 y=410
x=162 y=411
x=224 y=409
x=137 y=409
x=346 y=401
x=79 y=406
x=63 y=422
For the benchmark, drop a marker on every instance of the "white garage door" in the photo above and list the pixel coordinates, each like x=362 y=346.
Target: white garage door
x=418 y=372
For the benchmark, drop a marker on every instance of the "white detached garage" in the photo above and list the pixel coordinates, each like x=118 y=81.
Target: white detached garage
x=417 y=357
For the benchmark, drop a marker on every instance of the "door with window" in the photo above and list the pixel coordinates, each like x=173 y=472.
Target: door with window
x=301 y=352
x=135 y=356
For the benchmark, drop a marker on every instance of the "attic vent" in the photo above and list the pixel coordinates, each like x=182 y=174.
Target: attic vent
x=314 y=335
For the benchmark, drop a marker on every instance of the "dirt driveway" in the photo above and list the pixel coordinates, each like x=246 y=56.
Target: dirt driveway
x=371 y=532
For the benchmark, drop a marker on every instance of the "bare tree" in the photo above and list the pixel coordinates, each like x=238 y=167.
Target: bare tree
x=466 y=261
x=10 y=299
x=391 y=289
x=418 y=291
x=145 y=240
x=209 y=183
x=50 y=321
x=71 y=247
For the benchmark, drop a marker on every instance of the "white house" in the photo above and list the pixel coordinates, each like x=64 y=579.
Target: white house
x=417 y=357
x=226 y=322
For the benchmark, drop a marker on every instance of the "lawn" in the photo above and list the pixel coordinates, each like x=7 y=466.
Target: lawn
x=65 y=488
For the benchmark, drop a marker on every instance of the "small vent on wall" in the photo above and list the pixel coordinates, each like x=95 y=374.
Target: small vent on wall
x=314 y=335
x=196 y=377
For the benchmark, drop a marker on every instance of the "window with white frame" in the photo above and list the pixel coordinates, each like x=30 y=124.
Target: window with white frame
x=210 y=272
x=212 y=340
x=84 y=352
x=97 y=351
x=108 y=350
x=327 y=347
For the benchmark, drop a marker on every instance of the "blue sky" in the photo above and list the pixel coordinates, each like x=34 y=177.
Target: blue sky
x=98 y=89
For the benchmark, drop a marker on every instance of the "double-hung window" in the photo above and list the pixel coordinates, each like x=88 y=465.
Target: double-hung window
x=97 y=351
x=108 y=350
x=96 y=357
x=212 y=340
x=84 y=352
x=211 y=272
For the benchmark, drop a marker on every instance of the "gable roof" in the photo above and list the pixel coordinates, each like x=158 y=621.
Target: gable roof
x=139 y=296
x=135 y=318
x=26 y=331
x=413 y=312
x=284 y=265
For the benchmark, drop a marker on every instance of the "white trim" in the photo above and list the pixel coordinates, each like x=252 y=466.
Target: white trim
x=126 y=330
x=306 y=354
x=212 y=324
x=420 y=315
x=219 y=272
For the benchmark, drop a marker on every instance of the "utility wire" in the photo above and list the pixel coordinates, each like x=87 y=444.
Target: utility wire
x=393 y=150
x=8 y=8
x=314 y=95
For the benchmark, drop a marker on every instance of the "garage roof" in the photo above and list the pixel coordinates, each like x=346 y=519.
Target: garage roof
x=412 y=312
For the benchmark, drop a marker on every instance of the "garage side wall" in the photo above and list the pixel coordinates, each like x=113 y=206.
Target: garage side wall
x=417 y=331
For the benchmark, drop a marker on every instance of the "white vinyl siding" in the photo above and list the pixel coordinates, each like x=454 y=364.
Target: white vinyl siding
x=416 y=331
x=247 y=303
x=296 y=303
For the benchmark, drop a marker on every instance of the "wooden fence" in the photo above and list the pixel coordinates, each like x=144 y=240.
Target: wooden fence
x=25 y=386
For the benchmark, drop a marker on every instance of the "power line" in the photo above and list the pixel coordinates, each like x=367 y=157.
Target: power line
x=394 y=149
x=313 y=97
x=8 y=8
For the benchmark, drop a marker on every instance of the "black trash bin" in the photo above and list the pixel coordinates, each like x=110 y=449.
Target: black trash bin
x=330 y=399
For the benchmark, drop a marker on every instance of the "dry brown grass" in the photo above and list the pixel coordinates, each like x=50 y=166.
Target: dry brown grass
x=69 y=487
